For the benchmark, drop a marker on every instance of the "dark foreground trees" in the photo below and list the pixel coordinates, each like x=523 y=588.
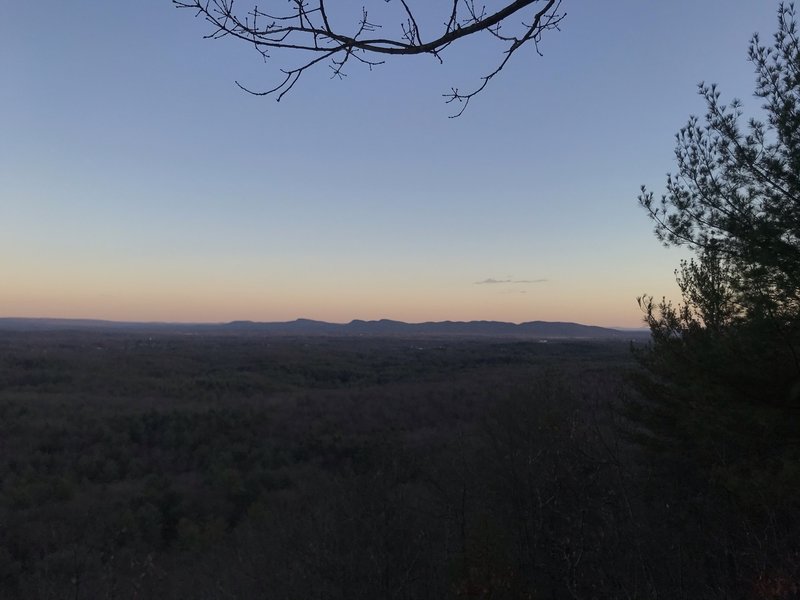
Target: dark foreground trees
x=723 y=408
x=315 y=32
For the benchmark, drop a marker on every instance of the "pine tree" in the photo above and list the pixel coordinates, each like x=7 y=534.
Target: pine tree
x=719 y=398
x=735 y=201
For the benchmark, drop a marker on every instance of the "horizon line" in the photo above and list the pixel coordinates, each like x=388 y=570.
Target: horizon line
x=230 y=321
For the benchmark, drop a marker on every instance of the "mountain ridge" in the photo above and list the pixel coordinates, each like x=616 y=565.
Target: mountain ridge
x=356 y=327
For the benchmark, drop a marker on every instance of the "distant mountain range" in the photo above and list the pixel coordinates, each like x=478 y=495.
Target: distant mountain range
x=381 y=328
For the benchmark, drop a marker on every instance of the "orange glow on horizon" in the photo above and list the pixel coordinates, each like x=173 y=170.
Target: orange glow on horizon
x=192 y=295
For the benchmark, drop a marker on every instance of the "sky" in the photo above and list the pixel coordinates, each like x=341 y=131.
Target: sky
x=139 y=183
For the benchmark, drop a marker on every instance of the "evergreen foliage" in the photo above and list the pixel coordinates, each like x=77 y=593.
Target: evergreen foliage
x=735 y=201
x=719 y=398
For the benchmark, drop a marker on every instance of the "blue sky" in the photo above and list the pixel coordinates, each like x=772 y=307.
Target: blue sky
x=138 y=182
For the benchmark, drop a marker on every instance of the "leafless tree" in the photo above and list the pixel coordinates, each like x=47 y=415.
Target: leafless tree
x=320 y=33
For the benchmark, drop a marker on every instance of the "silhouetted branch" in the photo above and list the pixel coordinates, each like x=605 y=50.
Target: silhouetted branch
x=308 y=27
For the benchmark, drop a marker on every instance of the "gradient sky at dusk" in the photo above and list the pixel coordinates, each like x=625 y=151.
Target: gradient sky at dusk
x=137 y=182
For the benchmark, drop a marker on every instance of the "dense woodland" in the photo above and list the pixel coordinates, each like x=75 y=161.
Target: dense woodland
x=295 y=468
x=164 y=466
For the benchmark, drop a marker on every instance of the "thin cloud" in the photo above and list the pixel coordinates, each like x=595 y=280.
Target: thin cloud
x=491 y=280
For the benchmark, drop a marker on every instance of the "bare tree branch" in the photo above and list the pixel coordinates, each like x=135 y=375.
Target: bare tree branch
x=308 y=27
